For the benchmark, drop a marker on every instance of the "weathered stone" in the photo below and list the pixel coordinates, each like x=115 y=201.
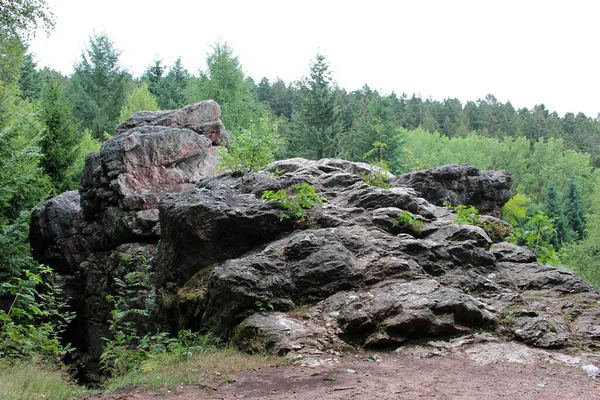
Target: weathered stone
x=509 y=252
x=487 y=191
x=202 y=118
x=222 y=256
x=277 y=333
x=213 y=226
x=540 y=332
x=82 y=235
x=56 y=233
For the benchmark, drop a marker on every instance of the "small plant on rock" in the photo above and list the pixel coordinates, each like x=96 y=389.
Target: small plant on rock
x=406 y=221
x=466 y=215
x=264 y=305
x=294 y=206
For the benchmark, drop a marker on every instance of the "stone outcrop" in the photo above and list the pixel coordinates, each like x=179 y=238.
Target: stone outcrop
x=461 y=184
x=358 y=276
x=110 y=227
x=349 y=272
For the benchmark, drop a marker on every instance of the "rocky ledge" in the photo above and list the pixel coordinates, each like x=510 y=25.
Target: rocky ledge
x=348 y=273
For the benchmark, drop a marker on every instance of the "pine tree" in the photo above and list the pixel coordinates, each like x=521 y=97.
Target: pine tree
x=99 y=86
x=316 y=124
x=224 y=82
x=31 y=81
x=60 y=138
x=174 y=87
x=575 y=211
x=553 y=209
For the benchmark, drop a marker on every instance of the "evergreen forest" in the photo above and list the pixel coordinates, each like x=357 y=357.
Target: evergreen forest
x=49 y=122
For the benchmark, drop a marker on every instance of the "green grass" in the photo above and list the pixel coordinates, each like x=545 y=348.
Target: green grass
x=207 y=368
x=31 y=381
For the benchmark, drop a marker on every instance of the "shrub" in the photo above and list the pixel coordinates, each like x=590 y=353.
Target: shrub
x=251 y=149
x=35 y=320
x=294 y=205
x=128 y=351
x=406 y=222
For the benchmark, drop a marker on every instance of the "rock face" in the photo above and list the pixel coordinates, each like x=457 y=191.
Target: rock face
x=107 y=228
x=461 y=184
x=369 y=267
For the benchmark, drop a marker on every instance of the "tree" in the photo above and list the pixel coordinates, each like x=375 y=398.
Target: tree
x=175 y=85
x=99 y=86
x=140 y=99
x=553 y=209
x=31 y=81
x=169 y=89
x=252 y=149
x=224 y=82
x=575 y=212
x=60 y=138
x=316 y=123
x=19 y=21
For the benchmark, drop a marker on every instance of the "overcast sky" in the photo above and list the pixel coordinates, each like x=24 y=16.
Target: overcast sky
x=527 y=52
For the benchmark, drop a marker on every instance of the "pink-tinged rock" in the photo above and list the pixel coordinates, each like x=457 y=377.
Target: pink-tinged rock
x=135 y=170
x=202 y=118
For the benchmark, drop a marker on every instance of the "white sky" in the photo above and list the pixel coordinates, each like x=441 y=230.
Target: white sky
x=527 y=52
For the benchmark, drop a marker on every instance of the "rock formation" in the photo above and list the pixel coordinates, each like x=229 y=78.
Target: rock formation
x=110 y=226
x=347 y=273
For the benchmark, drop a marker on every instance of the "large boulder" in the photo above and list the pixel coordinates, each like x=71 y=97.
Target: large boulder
x=110 y=227
x=487 y=191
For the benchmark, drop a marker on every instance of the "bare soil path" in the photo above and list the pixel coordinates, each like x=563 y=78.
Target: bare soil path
x=458 y=375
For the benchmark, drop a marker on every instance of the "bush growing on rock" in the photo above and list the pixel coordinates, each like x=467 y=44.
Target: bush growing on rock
x=294 y=206
x=251 y=149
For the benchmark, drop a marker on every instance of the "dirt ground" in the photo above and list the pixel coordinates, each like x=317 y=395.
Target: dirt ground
x=485 y=373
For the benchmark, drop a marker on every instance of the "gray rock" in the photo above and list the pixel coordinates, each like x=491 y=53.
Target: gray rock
x=278 y=333
x=217 y=249
x=56 y=233
x=202 y=118
x=487 y=191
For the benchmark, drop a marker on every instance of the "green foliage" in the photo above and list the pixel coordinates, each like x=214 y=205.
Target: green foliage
x=31 y=81
x=19 y=21
x=583 y=256
x=467 y=215
x=575 y=212
x=498 y=231
x=316 y=123
x=23 y=184
x=553 y=209
x=515 y=209
x=60 y=139
x=87 y=145
x=35 y=319
x=377 y=176
x=23 y=17
x=225 y=83
x=251 y=149
x=264 y=305
x=525 y=160
x=140 y=99
x=37 y=380
x=99 y=86
x=294 y=205
x=538 y=234
x=170 y=89
x=406 y=221
x=127 y=350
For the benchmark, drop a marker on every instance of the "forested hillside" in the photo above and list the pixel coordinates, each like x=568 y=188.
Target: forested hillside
x=49 y=123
